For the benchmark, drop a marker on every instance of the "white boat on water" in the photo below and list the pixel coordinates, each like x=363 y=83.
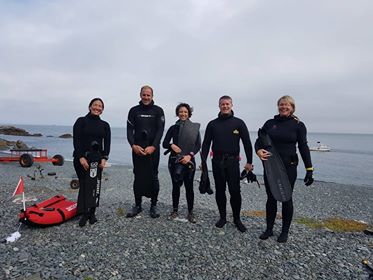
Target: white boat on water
x=320 y=148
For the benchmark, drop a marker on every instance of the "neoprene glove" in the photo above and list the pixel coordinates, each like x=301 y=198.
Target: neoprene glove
x=308 y=180
x=204 y=184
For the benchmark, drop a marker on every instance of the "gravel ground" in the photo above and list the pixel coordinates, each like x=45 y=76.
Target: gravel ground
x=144 y=248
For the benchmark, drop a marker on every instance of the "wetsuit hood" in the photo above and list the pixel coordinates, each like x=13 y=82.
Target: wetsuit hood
x=283 y=118
x=146 y=106
x=179 y=122
x=92 y=117
x=225 y=116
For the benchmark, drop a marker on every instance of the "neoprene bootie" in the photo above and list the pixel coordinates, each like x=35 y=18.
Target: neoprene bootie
x=283 y=237
x=154 y=213
x=134 y=211
x=266 y=234
x=240 y=226
x=92 y=216
x=83 y=220
x=221 y=222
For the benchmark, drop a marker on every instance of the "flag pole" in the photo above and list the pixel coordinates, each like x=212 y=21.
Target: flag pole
x=24 y=201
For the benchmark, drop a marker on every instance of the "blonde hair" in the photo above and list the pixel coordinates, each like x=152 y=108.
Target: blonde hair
x=290 y=100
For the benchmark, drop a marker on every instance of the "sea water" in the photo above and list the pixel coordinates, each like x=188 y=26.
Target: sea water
x=350 y=160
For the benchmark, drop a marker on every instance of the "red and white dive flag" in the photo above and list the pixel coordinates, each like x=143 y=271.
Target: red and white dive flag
x=20 y=187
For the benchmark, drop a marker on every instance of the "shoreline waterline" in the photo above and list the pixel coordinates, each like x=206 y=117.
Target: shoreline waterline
x=355 y=151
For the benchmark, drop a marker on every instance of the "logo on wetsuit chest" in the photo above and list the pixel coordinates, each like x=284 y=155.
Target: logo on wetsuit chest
x=146 y=116
x=236 y=132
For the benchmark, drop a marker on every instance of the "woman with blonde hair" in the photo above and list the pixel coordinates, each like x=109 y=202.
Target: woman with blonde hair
x=285 y=131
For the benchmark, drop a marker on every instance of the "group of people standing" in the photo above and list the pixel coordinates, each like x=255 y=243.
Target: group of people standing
x=145 y=127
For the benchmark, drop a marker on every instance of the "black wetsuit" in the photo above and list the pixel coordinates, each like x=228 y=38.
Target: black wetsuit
x=225 y=133
x=285 y=133
x=145 y=127
x=86 y=130
x=187 y=176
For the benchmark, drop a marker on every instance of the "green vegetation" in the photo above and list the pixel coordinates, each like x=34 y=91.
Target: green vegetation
x=340 y=224
x=312 y=223
x=336 y=224
x=120 y=212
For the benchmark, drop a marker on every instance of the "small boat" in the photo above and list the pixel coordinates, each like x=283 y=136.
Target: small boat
x=53 y=211
x=320 y=148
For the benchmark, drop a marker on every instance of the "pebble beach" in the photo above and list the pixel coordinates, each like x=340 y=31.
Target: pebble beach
x=117 y=247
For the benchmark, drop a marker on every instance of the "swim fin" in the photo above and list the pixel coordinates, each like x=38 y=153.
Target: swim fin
x=274 y=169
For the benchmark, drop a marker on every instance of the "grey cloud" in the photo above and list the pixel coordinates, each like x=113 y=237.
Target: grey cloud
x=58 y=55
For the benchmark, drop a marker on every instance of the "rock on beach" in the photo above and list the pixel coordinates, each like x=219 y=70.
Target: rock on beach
x=17 y=145
x=144 y=248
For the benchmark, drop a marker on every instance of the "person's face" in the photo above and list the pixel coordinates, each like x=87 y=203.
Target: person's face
x=96 y=108
x=225 y=106
x=183 y=114
x=284 y=108
x=146 y=96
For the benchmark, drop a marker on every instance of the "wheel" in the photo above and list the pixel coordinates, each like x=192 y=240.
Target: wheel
x=58 y=160
x=26 y=160
x=74 y=184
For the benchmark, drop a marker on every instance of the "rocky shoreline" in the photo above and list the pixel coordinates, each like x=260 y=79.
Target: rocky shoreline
x=11 y=130
x=145 y=248
x=15 y=131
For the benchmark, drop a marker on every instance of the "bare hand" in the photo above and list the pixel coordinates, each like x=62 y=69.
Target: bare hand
x=185 y=159
x=263 y=154
x=175 y=148
x=102 y=164
x=84 y=163
x=249 y=167
x=149 y=150
x=138 y=150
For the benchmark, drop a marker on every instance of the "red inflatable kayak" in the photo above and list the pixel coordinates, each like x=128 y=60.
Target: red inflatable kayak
x=53 y=211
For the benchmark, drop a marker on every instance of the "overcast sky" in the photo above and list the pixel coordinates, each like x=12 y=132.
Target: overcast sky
x=57 y=55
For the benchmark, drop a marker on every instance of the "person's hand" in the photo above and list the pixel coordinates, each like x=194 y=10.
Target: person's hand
x=249 y=167
x=84 y=163
x=149 y=150
x=308 y=179
x=175 y=148
x=263 y=154
x=102 y=164
x=138 y=150
x=185 y=159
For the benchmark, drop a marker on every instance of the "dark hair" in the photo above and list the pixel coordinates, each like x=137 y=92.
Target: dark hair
x=95 y=99
x=186 y=105
x=225 y=97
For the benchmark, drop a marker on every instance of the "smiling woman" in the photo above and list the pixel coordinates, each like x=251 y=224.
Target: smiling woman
x=286 y=106
x=96 y=106
x=280 y=160
x=183 y=140
x=88 y=131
